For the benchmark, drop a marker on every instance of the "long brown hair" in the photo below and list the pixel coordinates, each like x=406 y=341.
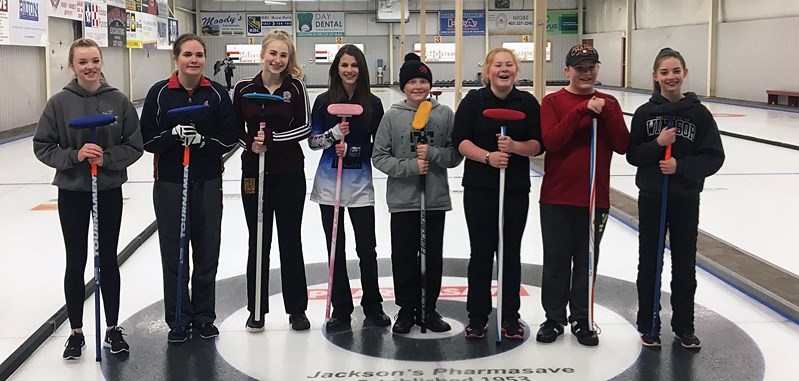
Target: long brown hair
x=662 y=55
x=293 y=68
x=363 y=95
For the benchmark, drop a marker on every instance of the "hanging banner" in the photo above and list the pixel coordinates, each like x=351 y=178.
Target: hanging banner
x=320 y=24
x=326 y=53
x=261 y=25
x=436 y=52
x=5 y=27
x=521 y=22
x=222 y=24
x=117 y=27
x=163 y=34
x=148 y=31
x=28 y=22
x=526 y=50
x=67 y=9
x=95 y=23
x=116 y=3
x=134 y=26
x=173 y=31
x=163 y=8
x=474 y=23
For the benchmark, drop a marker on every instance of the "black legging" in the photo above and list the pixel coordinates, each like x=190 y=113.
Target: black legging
x=74 y=212
x=284 y=201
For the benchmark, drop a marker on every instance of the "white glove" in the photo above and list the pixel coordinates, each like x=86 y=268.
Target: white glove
x=188 y=134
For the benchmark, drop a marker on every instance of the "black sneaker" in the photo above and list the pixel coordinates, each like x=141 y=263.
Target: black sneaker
x=74 y=346
x=178 y=335
x=585 y=336
x=404 y=321
x=207 y=330
x=688 y=340
x=336 y=323
x=476 y=330
x=513 y=329
x=648 y=340
x=255 y=326
x=115 y=341
x=434 y=322
x=549 y=331
x=299 y=322
x=378 y=318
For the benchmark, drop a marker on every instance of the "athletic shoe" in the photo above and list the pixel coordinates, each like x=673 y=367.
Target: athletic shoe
x=336 y=323
x=648 y=340
x=299 y=322
x=585 y=335
x=179 y=335
x=404 y=321
x=74 y=345
x=207 y=330
x=115 y=341
x=434 y=322
x=688 y=340
x=255 y=326
x=513 y=329
x=549 y=331
x=476 y=330
x=378 y=318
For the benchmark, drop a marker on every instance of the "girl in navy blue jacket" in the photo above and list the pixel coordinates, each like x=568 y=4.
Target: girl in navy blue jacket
x=209 y=134
x=680 y=120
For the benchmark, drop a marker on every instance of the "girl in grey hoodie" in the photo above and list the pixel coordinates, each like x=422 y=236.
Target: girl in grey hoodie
x=71 y=153
x=399 y=153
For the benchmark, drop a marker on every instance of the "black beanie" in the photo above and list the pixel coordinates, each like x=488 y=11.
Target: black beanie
x=414 y=68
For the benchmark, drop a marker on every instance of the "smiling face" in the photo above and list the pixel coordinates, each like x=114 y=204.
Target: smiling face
x=502 y=71
x=348 y=71
x=191 y=59
x=87 y=63
x=416 y=90
x=275 y=57
x=582 y=76
x=670 y=74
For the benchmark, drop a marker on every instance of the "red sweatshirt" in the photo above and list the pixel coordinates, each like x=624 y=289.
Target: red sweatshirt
x=566 y=131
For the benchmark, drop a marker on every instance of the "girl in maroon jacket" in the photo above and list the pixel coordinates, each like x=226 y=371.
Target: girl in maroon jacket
x=287 y=124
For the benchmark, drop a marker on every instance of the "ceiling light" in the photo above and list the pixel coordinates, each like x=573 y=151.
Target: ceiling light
x=275 y=2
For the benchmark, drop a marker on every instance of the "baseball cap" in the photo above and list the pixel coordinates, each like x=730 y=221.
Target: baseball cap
x=581 y=52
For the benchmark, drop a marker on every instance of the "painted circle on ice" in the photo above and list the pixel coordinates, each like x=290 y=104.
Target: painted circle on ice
x=373 y=353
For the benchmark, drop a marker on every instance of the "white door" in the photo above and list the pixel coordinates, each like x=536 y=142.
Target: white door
x=62 y=33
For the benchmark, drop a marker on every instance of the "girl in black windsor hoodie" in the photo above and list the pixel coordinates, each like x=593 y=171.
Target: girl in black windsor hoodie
x=696 y=153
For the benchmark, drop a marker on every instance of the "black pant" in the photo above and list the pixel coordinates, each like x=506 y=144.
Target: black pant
x=228 y=79
x=284 y=195
x=363 y=223
x=682 y=220
x=74 y=212
x=564 y=229
x=203 y=230
x=481 y=206
x=405 y=243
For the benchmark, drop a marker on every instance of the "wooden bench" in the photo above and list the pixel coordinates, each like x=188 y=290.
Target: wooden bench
x=793 y=97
